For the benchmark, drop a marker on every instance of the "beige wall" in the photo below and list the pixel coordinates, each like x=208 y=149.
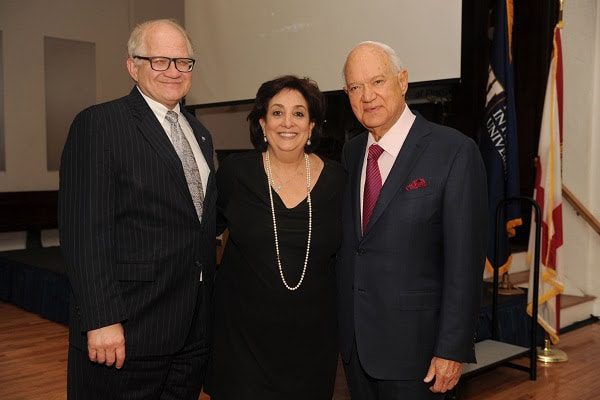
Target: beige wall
x=581 y=167
x=143 y=10
x=594 y=178
x=1 y=106
x=70 y=76
x=24 y=23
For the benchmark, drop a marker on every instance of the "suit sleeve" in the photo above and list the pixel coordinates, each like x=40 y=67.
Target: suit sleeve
x=225 y=183
x=86 y=221
x=464 y=235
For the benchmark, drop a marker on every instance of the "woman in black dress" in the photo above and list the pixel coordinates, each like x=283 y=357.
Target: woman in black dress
x=275 y=320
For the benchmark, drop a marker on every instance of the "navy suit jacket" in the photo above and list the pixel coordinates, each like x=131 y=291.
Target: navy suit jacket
x=133 y=243
x=409 y=287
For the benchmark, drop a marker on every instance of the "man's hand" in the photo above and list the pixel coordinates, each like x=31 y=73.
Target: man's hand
x=106 y=345
x=446 y=373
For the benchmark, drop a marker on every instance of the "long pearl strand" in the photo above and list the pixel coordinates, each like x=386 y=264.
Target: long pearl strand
x=270 y=182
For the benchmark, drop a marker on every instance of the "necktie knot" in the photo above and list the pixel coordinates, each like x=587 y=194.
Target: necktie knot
x=374 y=152
x=172 y=117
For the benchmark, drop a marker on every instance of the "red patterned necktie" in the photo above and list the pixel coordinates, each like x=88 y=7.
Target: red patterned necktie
x=372 y=184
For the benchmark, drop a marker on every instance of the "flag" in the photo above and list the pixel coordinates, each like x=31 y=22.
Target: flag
x=548 y=194
x=498 y=139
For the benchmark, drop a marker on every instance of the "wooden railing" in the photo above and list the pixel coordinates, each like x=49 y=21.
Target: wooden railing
x=581 y=210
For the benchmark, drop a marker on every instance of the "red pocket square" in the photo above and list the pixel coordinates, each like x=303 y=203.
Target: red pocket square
x=417 y=184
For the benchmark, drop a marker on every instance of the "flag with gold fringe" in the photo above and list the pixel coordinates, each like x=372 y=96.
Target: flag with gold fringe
x=498 y=139
x=548 y=194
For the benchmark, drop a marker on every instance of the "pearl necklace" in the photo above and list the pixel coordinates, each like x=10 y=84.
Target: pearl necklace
x=270 y=182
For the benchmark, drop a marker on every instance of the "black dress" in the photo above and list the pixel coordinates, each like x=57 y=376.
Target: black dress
x=270 y=342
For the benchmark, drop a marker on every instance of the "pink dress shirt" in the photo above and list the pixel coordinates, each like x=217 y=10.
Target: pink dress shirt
x=391 y=143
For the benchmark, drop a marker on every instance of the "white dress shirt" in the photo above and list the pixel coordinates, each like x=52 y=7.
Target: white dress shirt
x=161 y=112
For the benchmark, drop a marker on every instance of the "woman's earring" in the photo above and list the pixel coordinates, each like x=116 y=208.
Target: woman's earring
x=265 y=138
x=308 y=142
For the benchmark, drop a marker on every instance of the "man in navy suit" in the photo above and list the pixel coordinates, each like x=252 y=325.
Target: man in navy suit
x=137 y=228
x=414 y=222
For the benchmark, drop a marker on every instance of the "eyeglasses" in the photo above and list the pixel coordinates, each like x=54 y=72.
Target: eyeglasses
x=163 y=63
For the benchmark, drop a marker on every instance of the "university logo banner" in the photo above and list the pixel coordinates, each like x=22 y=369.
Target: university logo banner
x=498 y=140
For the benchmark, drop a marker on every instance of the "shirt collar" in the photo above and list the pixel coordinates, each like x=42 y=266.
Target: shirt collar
x=393 y=139
x=157 y=108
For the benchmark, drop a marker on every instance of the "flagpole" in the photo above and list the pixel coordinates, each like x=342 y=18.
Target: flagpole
x=548 y=354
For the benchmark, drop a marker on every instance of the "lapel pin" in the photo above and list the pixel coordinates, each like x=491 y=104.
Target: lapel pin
x=203 y=138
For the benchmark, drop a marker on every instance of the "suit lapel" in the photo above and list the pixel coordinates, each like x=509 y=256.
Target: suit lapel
x=416 y=141
x=357 y=158
x=201 y=137
x=154 y=133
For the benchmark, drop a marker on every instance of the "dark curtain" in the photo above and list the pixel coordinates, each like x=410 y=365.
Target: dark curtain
x=533 y=29
x=534 y=22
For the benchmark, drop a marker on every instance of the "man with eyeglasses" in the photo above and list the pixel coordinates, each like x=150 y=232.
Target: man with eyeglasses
x=137 y=227
x=413 y=240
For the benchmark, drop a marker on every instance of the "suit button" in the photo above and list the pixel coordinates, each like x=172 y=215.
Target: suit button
x=360 y=252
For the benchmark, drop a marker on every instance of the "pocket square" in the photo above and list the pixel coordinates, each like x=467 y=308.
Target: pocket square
x=417 y=184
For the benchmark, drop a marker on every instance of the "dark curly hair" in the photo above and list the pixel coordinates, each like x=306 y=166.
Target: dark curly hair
x=311 y=93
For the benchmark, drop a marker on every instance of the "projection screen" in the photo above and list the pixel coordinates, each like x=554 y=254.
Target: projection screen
x=240 y=44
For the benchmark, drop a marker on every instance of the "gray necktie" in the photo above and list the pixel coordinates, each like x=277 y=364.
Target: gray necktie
x=190 y=167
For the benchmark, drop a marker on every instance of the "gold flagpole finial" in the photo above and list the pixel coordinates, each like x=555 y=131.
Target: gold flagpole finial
x=560 y=23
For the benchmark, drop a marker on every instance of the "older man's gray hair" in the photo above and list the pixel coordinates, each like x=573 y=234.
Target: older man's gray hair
x=136 y=44
x=397 y=65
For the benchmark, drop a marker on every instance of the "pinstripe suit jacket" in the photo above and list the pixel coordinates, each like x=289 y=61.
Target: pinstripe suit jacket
x=133 y=244
x=409 y=287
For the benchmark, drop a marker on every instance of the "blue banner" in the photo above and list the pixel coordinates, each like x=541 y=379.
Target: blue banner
x=498 y=138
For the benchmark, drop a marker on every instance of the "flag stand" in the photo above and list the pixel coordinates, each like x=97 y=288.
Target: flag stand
x=536 y=276
x=491 y=353
x=551 y=355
